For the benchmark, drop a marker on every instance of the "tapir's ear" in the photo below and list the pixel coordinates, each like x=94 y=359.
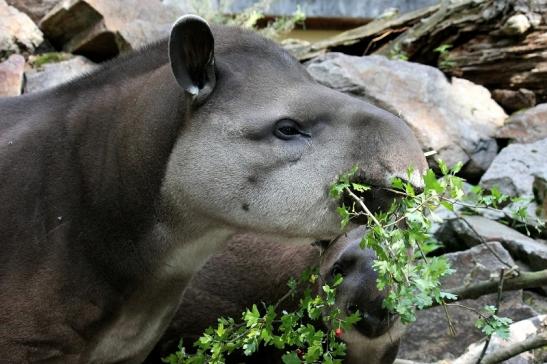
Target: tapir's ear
x=191 y=53
x=322 y=245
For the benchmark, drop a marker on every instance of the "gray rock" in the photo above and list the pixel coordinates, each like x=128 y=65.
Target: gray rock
x=512 y=100
x=35 y=9
x=11 y=75
x=532 y=252
x=428 y=339
x=53 y=74
x=101 y=29
x=458 y=119
x=515 y=166
x=526 y=126
x=536 y=301
x=18 y=33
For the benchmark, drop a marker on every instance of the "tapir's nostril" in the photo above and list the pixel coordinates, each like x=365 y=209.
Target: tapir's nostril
x=375 y=321
x=352 y=308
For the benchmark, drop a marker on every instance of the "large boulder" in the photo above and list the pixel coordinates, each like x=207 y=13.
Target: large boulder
x=472 y=230
x=101 y=29
x=526 y=126
x=35 y=9
x=52 y=74
x=428 y=339
x=12 y=75
x=18 y=33
x=514 y=168
x=457 y=118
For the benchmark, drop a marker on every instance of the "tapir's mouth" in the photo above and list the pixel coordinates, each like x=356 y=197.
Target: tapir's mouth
x=373 y=328
x=376 y=199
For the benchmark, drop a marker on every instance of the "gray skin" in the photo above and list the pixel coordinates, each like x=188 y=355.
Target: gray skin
x=116 y=187
x=252 y=270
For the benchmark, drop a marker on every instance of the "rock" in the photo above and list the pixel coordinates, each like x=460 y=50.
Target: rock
x=536 y=301
x=513 y=101
x=101 y=29
x=428 y=339
x=518 y=332
x=516 y=25
x=540 y=194
x=526 y=126
x=17 y=31
x=457 y=119
x=35 y=9
x=52 y=74
x=530 y=251
x=12 y=75
x=514 y=168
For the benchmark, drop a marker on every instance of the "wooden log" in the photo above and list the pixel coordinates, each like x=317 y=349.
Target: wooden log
x=501 y=44
x=504 y=63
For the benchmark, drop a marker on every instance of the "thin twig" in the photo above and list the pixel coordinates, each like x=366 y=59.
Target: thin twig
x=468 y=308
x=460 y=217
x=481 y=288
x=370 y=215
x=514 y=349
x=523 y=280
x=364 y=207
x=498 y=300
x=481 y=239
x=451 y=327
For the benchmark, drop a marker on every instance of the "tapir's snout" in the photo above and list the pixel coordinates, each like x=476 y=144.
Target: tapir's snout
x=388 y=149
x=375 y=319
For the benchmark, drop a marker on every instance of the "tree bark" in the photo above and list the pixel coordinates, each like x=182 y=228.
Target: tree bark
x=481 y=288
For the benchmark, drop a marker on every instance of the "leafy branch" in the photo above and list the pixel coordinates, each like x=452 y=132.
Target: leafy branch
x=403 y=264
x=290 y=330
x=401 y=240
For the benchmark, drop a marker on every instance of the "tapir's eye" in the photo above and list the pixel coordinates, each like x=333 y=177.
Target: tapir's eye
x=288 y=129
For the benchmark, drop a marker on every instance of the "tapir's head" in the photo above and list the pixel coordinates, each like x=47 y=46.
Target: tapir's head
x=263 y=142
x=378 y=330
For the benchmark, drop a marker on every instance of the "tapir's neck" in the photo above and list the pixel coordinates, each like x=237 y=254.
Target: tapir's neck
x=122 y=134
x=125 y=132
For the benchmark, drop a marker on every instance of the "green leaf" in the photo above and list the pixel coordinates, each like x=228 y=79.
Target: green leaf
x=448 y=296
x=337 y=189
x=431 y=183
x=291 y=358
x=359 y=187
x=443 y=167
x=344 y=215
x=457 y=167
x=447 y=205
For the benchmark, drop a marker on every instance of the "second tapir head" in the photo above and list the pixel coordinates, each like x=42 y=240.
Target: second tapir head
x=375 y=337
x=264 y=141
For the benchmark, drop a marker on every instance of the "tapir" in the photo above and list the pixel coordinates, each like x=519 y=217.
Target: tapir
x=253 y=270
x=117 y=186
